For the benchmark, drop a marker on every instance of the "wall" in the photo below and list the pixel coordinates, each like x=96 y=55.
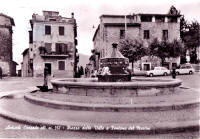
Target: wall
x=6 y=46
x=5 y=67
x=106 y=35
x=39 y=39
x=25 y=66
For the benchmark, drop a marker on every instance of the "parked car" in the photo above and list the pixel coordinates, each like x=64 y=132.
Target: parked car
x=138 y=72
x=158 y=71
x=185 y=69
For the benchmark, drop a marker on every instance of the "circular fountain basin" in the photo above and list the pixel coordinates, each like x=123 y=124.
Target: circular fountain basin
x=135 y=87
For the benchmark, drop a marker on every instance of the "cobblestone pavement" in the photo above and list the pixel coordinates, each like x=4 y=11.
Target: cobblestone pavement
x=170 y=98
x=28 y=133
x=138 y=118
x=13 y=84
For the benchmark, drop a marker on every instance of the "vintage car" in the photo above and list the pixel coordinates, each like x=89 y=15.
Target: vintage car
x=185 y=69
x=158 y=71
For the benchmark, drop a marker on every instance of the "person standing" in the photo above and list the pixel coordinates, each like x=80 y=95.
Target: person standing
x=1 y=73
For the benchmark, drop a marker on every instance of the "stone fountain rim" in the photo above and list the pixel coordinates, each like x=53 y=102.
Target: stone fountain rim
x=93 y=82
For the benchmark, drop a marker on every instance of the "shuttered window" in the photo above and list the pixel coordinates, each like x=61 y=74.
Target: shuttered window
x=48 y=47
x=61 y=30
x=47 y=30
x=61 y=65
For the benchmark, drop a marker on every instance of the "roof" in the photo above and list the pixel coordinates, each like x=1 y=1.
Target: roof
x=25 y=51
x=122 y=24
x=96 y=32
x=144 y=14
x=50 y=11
x=15 y=63
x=168 y=15
x=11 y=19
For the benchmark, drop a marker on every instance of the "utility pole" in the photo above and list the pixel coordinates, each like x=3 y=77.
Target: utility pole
x=125 y=26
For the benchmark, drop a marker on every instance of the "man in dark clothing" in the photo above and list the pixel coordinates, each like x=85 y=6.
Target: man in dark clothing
x=174 y=73
x=1 y=73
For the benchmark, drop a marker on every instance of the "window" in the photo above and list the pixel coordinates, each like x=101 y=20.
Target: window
x=52 y=19
x=48 y=47
x=30 y=36
x=146 y=18
x=61 y=48
x=165 y=34
x=61 y=65
x=160 y=19
x=146 y=34
x=172 y=19
x=47 y=30
x=122 y=34
x=61 y=30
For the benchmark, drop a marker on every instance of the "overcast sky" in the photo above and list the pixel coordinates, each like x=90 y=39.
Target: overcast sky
x=87 y=13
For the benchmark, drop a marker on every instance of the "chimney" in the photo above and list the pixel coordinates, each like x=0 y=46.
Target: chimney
x=72 y=15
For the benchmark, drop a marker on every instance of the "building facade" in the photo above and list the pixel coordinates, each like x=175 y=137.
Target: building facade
x=145 y=27
x=52 y=44
x=7 y=65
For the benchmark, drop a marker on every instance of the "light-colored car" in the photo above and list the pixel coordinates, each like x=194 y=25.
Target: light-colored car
x=185 y=69
x=138 y=72
x=158 y=71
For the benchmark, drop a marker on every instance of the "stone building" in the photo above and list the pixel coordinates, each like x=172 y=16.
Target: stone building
x=26 y=66
x=7 y=64
x=52 y=44
x=145 y=27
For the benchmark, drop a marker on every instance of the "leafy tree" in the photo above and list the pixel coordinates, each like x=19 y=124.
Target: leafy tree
x=165 y=49
x=173 y=11
x=132 y=49
x=159 y=49
x=191 y=38
x=176 y=48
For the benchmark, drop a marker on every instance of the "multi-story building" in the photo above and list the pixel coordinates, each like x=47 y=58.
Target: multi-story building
x=52 y=44
x=145 y=27
x=7 y=65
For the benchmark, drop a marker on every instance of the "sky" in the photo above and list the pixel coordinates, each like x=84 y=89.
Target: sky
x=87 y=13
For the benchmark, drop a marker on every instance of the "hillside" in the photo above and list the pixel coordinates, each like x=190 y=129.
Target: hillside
x=83 y=59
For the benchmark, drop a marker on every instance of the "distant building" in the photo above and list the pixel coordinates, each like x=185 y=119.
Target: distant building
x=26 y=66
x=145 y=27
x=7 y=64
x=52 y=44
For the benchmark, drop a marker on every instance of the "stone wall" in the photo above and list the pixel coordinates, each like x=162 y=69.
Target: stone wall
x=106 y=35
x=5 y=67
x=6 y=56
x=40 y=38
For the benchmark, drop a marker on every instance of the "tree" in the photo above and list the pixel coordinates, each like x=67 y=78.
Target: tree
x=132 y=49
x=159 y=49
x=176 y=48
x=165 y=49
x=173 y=11
x=191 y=38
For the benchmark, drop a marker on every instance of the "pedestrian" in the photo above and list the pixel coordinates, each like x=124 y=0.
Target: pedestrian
x=1 y=73
x=174 y=73
x=46 y=76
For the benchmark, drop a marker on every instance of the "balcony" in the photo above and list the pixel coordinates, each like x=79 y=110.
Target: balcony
x=59 y=54
x=53 y=55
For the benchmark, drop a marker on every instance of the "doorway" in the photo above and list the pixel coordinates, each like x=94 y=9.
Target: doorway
x=48 y=66
x=146 y=67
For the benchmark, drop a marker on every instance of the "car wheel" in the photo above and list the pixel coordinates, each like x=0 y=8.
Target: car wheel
x=190 y=72
x=165 y=74
x=177 y=73
x=151 y=74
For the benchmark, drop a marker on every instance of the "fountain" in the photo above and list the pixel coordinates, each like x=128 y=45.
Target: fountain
x=113 y=102
x=114 y=81
x=114 y=67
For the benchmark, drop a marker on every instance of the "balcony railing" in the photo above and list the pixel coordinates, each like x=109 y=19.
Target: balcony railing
x=45 y=53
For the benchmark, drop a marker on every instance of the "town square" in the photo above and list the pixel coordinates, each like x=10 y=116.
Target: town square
x=125 y=70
